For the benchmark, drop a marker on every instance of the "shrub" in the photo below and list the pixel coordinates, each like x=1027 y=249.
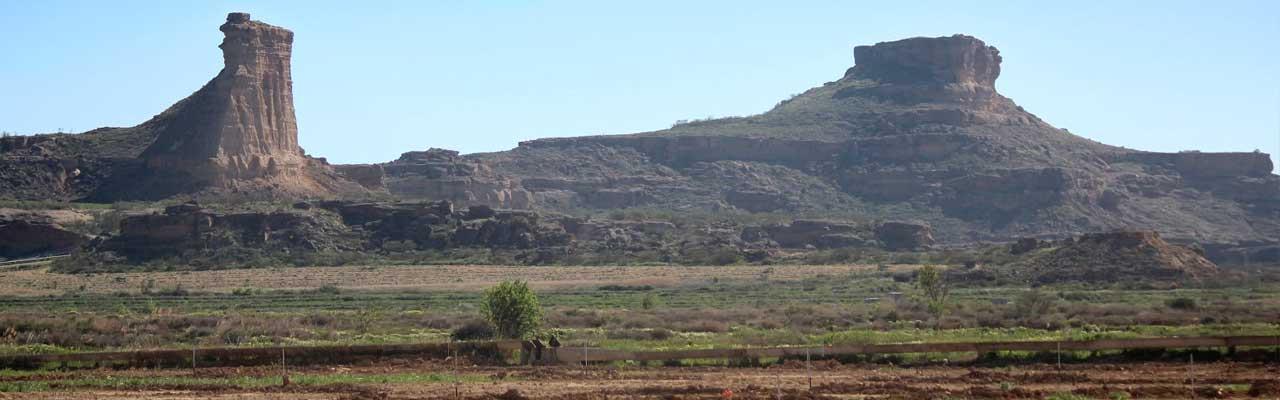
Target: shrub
x=649 y=301
x=1031 y=304
x=1182 y=303
x=513 y=309
x=625 y=288
x=930 y=283
x=473 y=330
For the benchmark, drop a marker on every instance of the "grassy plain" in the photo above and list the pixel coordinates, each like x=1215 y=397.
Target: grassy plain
x=622 y=307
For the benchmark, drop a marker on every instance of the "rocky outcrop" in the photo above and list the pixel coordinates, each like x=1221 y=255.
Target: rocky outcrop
x=27 y=235
x=367 y=175
x=438 y=174
x=805 y=233
x=191 y=232
x=436 y=225
x=959 y=59
x=1116 y=256
x=1194 y=164
x=896 y=235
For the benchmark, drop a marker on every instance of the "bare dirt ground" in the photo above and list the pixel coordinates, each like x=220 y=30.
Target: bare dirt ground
x=794 y=380
x=39 y=282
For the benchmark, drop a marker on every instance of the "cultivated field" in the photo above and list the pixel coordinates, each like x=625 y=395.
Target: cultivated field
x=794 y=380
x=632 y=308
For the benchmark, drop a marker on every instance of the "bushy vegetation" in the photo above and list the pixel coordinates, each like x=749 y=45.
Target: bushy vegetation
x=513 y=310
x=473 y=330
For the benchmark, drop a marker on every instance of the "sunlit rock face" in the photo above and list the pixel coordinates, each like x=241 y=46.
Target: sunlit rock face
x=239 y=130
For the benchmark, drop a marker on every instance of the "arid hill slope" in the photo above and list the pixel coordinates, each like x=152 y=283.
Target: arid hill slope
x=915 y=130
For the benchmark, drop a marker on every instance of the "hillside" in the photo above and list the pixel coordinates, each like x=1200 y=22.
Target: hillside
x=915 y=130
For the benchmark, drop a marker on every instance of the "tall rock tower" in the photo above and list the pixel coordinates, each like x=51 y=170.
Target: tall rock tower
x=239 y=131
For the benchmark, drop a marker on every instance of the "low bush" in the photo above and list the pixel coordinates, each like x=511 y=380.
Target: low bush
x=473 y=330
x=1182 y=303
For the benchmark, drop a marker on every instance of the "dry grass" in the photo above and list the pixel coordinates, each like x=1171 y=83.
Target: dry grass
x=40 y=282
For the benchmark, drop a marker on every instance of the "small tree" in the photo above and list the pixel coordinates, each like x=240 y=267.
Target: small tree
x=1031 y=304
x=934 y=289
x=649 y=301
x=513 y=309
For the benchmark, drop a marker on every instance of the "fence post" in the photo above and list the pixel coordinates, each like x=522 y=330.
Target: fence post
x=284 y=369
x=808 y=366
x=1191 y=374
x=1059 y=352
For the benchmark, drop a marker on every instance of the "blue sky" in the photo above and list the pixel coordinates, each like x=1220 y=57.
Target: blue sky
x=376 y=80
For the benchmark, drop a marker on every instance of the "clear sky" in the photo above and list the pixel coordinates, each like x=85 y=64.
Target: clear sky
x=374 y=80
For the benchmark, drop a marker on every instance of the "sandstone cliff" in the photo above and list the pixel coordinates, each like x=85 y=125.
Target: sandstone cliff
x=239 y=131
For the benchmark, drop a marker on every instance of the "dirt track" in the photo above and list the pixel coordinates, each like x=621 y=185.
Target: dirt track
x=1144 y=380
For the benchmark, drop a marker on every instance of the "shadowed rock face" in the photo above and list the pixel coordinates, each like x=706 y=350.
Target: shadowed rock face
x=33 y=236
x=958 y=59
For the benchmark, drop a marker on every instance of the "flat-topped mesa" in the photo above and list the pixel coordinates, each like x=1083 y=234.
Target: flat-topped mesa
x=241 y=125
x=958 y=59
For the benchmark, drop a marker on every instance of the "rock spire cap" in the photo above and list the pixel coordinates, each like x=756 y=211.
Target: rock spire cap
x=238 y=17
x=957 y=59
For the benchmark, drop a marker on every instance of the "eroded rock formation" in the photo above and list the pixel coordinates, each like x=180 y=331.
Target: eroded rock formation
x=236 y=135
x=241 y=125
x=239 y=131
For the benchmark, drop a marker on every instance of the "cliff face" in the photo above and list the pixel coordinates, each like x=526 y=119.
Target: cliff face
x=959 y=60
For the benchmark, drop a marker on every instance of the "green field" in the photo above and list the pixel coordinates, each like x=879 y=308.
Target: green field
x=860 y=307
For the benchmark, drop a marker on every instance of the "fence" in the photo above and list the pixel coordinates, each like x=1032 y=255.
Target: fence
x=500 y=351
x=295 y=355
x=575 y=355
